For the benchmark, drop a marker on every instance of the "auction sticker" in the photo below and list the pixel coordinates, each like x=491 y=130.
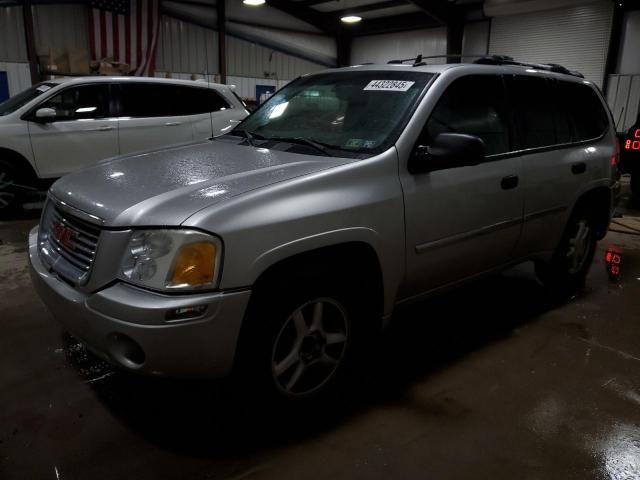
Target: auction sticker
x=389 y=85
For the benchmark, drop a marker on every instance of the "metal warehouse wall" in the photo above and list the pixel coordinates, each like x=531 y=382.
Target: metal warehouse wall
x=629 y=57
x=12 y=43
x=183 y=47
x=576 y=37
x=382 y=48
x=61 y=26
x=186 y=48
x=253 y=60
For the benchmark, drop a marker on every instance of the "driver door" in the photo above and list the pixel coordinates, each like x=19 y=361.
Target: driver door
x=82 y=132
x=462 y=221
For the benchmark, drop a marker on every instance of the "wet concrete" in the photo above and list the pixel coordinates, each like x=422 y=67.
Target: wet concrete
x=491 y=381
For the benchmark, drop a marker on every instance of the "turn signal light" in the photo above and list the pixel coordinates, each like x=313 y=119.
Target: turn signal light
x=194 y=265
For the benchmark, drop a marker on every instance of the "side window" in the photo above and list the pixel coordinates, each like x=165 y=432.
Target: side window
x=143 y=100
x=473 y=105
x=533 y=101
x=588 y=117
x=83 y=102
x=196 y=100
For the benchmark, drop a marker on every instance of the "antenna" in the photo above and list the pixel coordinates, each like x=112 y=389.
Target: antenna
x=206 y=73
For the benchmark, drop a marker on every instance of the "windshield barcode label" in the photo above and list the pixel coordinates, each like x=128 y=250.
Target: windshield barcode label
x=389 y=85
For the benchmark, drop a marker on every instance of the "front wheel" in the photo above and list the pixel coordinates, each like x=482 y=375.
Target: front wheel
x=568 y=268
x=300 y=339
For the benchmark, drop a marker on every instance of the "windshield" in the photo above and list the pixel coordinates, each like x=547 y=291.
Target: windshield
x=354 y=111
x=21 y=99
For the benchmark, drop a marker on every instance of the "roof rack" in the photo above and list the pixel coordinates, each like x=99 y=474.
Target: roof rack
x=417 y=61
x=506 y=60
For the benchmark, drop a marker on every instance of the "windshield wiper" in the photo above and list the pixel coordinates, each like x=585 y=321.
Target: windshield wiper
x=319 y=146
x=249 y=136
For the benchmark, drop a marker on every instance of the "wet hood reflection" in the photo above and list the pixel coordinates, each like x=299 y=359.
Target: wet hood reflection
x=167 y=186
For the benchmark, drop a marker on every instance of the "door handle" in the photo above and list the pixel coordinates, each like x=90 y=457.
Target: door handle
x=578 y=168
x=509 y=182
x=172 y=124
x=105 y=128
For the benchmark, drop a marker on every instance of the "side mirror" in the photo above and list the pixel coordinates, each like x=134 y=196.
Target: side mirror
x=447 y=150
x=45 y=114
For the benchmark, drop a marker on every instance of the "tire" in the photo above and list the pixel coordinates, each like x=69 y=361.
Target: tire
x=300 y=339
x=566 y=272
x=9 y=193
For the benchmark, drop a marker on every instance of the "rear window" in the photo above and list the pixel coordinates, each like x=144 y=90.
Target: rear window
x=533 y=100
x=587 y=115
x=196 y=100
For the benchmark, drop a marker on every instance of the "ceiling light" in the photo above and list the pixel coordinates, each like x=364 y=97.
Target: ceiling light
x=254 y=3
x=351 y=19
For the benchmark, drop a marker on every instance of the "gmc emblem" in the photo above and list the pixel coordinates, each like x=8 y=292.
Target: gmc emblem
x=63 y=235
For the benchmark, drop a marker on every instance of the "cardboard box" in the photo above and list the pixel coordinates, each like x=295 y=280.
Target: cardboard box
x=79 y=61
x=59 y=60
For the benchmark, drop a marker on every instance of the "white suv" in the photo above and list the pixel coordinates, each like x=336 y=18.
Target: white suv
x=58 y=126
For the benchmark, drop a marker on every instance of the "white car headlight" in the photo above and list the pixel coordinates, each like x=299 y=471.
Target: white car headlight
x=172 y=259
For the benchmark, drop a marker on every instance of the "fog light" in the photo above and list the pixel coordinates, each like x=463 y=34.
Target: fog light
x=186 y=313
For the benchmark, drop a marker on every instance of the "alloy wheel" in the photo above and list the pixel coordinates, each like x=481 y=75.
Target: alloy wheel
x=310 y=347
x=579 y=246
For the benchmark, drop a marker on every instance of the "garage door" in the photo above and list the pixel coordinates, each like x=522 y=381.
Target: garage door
x=576 y=37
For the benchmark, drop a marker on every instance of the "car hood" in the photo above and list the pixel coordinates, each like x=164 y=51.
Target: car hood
x=165 y=187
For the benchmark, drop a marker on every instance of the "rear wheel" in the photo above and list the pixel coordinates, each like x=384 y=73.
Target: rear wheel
x=568 y=268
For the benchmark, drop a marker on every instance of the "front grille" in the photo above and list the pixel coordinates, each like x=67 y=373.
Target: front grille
x=67 y=243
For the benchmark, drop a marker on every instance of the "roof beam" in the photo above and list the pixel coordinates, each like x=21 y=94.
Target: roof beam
x=320 y=20
x=369 y=8
x=439 y=10
x=398 y=23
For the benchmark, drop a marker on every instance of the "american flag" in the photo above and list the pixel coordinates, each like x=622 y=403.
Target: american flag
x=127 y=31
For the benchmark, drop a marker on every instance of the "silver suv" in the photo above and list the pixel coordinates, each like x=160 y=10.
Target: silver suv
x=276 y=250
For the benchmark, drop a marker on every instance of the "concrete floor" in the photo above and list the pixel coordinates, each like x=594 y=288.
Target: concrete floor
x=491 y=381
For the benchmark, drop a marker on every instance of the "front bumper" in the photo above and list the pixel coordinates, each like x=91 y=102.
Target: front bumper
x=128 y=326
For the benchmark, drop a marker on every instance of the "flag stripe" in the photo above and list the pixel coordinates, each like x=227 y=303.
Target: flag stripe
x=139 y=35
x=103 y=35
x=92 y=38
x=121 y=39
x=127 y=31
x=115 y=36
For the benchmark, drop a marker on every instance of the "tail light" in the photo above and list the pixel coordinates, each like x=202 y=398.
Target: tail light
x=615 y=158
x=613 y=261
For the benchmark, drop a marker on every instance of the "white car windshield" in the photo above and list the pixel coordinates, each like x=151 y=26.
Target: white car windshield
x=354 y=111
x=24 y=97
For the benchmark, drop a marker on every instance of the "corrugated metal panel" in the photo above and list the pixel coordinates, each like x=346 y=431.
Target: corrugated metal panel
x=61 y=26
x=382 y=48
x=576 y=37
x=184 y=47
x=629 y=58
x=12 y=41
x=475 y=40
x=623 y=97
x=18 y=75
x=245 y=86
x=252 y=60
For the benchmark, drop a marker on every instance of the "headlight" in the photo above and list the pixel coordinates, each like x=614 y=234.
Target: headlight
x=172 y=259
